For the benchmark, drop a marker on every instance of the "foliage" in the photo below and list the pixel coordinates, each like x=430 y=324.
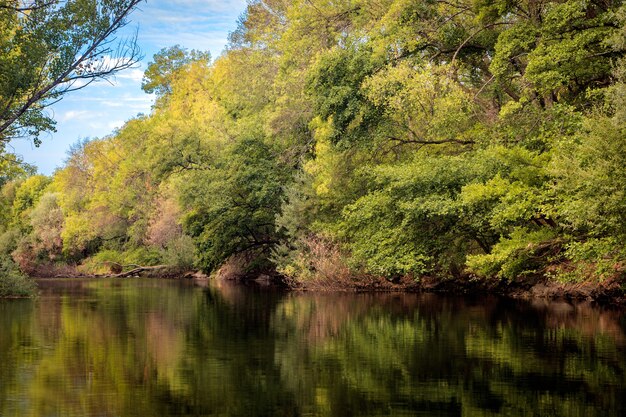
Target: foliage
x=180 y=252
x=232 y=208
x=111 y=261
x=13 y=283
x=358 y=138
x=408 y=219
x=315 y=263
x=515 y=256
x=167 y=62
x=591 y=183
x=13 y=167
x=51 y=48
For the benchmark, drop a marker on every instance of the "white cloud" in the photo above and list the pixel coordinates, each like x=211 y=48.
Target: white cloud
x=107 y=61
x=109 y=99
x=135 y=75
x=194 y=24
x=74 y=115
x=142 y=102
x=80 y=83
x=111 y=103
x=202 y=41
x=96 y=126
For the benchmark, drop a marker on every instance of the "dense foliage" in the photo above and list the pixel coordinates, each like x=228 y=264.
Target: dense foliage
x=391 y=138
x=13 y=282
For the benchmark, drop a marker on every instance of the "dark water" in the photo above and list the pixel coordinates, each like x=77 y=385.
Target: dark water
x=166 y=348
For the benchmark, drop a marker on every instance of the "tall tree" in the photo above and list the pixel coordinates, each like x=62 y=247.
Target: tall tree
x=167 y=62
x=51 y=47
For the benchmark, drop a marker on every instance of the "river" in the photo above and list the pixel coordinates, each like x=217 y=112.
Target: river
x=140 y=347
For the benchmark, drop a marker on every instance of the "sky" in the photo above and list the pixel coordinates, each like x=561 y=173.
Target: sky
x=100 y=108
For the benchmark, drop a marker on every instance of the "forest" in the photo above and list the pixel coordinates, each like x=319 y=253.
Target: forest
x=336 y=144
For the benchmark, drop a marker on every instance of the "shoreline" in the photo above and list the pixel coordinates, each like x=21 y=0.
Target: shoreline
x=608 y=292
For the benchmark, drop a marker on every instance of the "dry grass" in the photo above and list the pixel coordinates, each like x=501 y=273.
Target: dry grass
x=323 y=266
x=235 y=268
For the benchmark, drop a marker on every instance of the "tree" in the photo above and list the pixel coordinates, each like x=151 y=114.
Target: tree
x=231 y=209
x=12 y=167
x=167 y=62
x=51 y=47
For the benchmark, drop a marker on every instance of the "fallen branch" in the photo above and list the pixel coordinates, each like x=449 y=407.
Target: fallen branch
x=137 y=271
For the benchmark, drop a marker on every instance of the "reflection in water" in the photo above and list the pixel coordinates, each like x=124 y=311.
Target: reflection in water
x=167 y=348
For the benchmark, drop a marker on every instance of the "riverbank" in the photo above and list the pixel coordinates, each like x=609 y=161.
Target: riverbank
x=157 y=271
x=610 y=291
x=606 y=292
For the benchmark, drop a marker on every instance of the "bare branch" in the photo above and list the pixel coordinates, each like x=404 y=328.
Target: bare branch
x=470 y=37
x=27 y=8
x=430 y=142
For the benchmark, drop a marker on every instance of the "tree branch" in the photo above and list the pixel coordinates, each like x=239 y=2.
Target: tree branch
x=431 y=142
x=92 y=72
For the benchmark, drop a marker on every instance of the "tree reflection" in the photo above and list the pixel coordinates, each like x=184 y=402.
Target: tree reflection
x=383 y=354
x=163 y=348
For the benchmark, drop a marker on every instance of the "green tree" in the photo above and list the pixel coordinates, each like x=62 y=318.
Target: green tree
x=167 y=62
x=49 y=48
x=232 y=207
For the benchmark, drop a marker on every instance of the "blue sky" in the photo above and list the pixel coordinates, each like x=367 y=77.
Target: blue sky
x=102 y=107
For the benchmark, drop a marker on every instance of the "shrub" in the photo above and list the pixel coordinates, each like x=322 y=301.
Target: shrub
x=180 y=252
x=8 y=241
x=316 y=264
x=14 y=283
x=522 y=253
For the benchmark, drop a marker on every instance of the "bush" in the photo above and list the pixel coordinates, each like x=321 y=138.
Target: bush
x=14 y=283
x=594 y=258
x=8 y=241
x=316 y=264
x=522 y=253
x=180 y=252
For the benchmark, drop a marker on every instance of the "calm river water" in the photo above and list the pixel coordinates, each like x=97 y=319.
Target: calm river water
x=168 y=348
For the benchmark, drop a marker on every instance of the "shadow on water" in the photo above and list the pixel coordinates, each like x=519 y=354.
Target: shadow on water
x=169 y=348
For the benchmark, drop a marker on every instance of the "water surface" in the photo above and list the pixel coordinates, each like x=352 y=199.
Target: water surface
x=168 y=348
